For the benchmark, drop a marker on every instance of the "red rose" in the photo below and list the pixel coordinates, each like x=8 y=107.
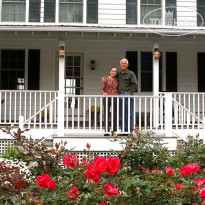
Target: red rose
x=70 y=160
x=50 y=184
x=112 y=165
x=73 y=194
x=202 y=193
x=203 y=203
x=200 y=181
x=178 y=186
x=103 y=202
x=91 y=173
x=42 y=180
x=54 y=152
x=169 y=170
x=110 y=189
x=189 y=168
x=100 y=164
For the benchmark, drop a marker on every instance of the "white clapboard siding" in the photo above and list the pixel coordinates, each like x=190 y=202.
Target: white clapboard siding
x=186 y=13
x=112 y=12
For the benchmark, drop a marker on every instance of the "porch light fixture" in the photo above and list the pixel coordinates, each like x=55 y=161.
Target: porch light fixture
x=156 y=53
x=92 y=65
x=61 y=52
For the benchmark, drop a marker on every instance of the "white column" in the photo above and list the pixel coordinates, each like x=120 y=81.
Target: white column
x=168 y=114
x=156 y=87
x=155 y=72
x=61 y=93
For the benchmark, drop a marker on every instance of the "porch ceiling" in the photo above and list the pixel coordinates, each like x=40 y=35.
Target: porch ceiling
x=122 y=33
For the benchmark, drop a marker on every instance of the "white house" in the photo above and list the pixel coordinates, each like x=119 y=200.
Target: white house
x=53 y=54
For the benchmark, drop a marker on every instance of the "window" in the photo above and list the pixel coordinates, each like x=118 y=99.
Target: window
x=171 y=71
x=49 y=10
x=12 y=69
x=201 y=72
x=147 y=72
x=153 y=8
x=171 y=13
x=131 y=11
x=92 y=11
x=13 y=10
x=71 y=11
x=72 y=78
x=201 y=11
x=34 y=10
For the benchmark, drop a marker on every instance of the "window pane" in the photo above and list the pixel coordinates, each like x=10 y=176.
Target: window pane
x=49 y=10
x=153 y=17
x=12 y=69
x=34 y=10
x=131 y=12
x=13 y=11
x=92 y=11
x=201 y=11
x=71 y=12
x=171 y=13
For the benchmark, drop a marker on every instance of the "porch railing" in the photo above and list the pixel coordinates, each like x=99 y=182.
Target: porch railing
x=22 y=105
x=85 y=113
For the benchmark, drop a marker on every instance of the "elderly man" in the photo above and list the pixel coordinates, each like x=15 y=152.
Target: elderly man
x=127 y=85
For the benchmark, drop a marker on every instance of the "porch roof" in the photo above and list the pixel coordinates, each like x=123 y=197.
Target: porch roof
x=103 y=30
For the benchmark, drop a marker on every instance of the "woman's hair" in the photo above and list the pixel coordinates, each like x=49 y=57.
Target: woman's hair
x=112 y=68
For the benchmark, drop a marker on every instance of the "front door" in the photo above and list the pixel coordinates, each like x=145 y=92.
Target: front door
x=73 y=78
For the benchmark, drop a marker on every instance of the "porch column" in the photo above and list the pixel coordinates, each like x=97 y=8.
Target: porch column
x=156 y=86
x=168 y=114
x=155 y=72
x=61 y=90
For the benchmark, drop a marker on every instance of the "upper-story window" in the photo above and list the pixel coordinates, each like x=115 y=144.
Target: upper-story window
x=34 y=10
x=201 y=11
x=49 y=10
x=131 y=12
x=71 y=11
x=92 y=11
x=13 y=10
x=151 y=12
x=152 y=8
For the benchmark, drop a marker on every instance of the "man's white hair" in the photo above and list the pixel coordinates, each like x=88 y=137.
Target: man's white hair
x=124 y=59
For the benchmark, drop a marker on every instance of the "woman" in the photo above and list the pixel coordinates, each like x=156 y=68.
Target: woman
x=109 y=87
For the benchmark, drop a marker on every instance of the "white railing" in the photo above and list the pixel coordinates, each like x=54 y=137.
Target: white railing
x=86 y=113
x=194 y=102
x=17 y=104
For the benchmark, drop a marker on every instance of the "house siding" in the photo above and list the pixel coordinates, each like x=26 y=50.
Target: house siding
x=112 y=12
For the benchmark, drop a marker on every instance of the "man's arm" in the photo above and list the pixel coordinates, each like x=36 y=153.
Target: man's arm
x=133 y=82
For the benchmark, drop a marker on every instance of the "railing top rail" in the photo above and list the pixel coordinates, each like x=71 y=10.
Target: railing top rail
x=179 y=93
x=29 y=91
x=123 y=96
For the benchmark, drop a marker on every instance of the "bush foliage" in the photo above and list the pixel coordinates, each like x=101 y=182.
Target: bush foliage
x=143 y=172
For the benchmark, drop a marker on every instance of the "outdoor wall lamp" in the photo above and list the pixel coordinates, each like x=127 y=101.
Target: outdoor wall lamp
x=156 y=54
x=92 y=65
x=61 y=52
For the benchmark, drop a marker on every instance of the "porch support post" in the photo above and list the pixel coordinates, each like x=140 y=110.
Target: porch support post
x=168 y=114
x=156 y=86
x=61 y=92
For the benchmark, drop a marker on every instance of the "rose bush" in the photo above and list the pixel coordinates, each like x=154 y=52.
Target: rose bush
x=144 y=172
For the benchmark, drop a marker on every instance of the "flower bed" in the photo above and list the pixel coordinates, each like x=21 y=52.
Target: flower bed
x=142 y=173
